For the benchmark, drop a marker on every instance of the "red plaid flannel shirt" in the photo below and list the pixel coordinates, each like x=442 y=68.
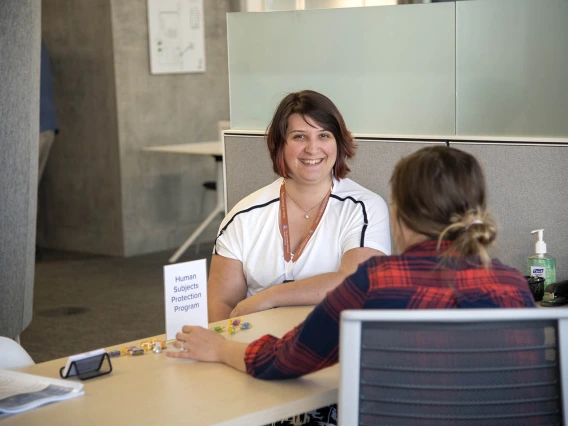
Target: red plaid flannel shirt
x=418 y=279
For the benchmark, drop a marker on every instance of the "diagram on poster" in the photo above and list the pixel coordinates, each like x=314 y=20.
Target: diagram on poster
x=176 y=36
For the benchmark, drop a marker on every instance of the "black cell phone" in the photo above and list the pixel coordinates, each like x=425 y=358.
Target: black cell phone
x=555 y=302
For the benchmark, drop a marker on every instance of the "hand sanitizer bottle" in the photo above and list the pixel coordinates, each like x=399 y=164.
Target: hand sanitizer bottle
x=541 y=264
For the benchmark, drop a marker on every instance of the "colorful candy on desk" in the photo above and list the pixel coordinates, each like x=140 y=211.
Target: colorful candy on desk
x=149 y=345
x=235 y=321
x=127 y=350
x=153 y=345
x=234 y=325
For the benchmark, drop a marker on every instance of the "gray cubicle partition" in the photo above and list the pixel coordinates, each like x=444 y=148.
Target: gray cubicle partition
x=247 y=167
x=19 y=126
x=528 y=190
x=526 y=184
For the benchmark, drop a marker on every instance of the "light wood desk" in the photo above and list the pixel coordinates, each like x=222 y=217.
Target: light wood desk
x=155 y=390
x=215 y=149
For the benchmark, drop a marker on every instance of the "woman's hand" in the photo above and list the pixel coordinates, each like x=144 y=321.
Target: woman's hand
x=198 y=343
x=256 y=303
x=201 y=344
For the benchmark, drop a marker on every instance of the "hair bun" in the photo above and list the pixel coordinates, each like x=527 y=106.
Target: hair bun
x=482 y=231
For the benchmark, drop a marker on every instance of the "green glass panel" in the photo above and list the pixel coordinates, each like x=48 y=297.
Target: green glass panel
x=389 y=69
x=512 y=68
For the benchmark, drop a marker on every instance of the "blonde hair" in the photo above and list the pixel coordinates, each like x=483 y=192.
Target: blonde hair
x=440 y=192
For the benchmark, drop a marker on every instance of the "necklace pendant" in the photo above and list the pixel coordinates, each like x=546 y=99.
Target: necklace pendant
x=307 y=217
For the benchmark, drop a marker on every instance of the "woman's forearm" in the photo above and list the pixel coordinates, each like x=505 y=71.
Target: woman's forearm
x=233 y=354
x=309 y=291
x=226 y=287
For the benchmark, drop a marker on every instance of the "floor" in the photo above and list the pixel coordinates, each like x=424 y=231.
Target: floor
x=85 y=302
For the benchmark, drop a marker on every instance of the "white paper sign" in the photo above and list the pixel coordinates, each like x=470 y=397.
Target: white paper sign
x=185 y=289
x=176 y=36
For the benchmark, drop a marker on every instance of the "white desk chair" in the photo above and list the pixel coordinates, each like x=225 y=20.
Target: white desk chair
x=454 y=367
x=12 y=355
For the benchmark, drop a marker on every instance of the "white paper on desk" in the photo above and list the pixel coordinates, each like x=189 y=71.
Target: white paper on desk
x=20 y=392
x=185 y=289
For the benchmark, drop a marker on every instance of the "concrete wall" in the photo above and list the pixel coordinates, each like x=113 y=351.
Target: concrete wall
x=80 y=200
x=102 y=193
x=161 y=193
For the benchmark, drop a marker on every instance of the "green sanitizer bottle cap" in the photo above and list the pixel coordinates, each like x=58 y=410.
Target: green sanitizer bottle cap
x=540 y=245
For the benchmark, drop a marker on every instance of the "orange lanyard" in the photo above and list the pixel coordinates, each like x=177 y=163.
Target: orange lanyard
x=285 y=231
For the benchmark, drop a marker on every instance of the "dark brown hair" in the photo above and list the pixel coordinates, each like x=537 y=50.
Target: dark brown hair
x=320 y=109
x=440 y=192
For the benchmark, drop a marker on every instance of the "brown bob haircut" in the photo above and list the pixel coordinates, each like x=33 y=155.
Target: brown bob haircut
x=320 y=109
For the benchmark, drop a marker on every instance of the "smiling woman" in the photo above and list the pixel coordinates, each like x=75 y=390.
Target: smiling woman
x=294 y=240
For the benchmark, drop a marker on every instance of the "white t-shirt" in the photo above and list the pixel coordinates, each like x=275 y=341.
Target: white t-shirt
x=354 y=217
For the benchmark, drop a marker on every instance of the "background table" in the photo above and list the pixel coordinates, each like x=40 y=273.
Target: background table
x=153 y=389
x=199 y=148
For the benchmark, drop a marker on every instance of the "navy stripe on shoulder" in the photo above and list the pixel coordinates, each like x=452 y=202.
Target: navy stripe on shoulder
x=259 y=206
x=364 y=211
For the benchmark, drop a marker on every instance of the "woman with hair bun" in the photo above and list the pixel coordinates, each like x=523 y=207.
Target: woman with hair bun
x=442 y=229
